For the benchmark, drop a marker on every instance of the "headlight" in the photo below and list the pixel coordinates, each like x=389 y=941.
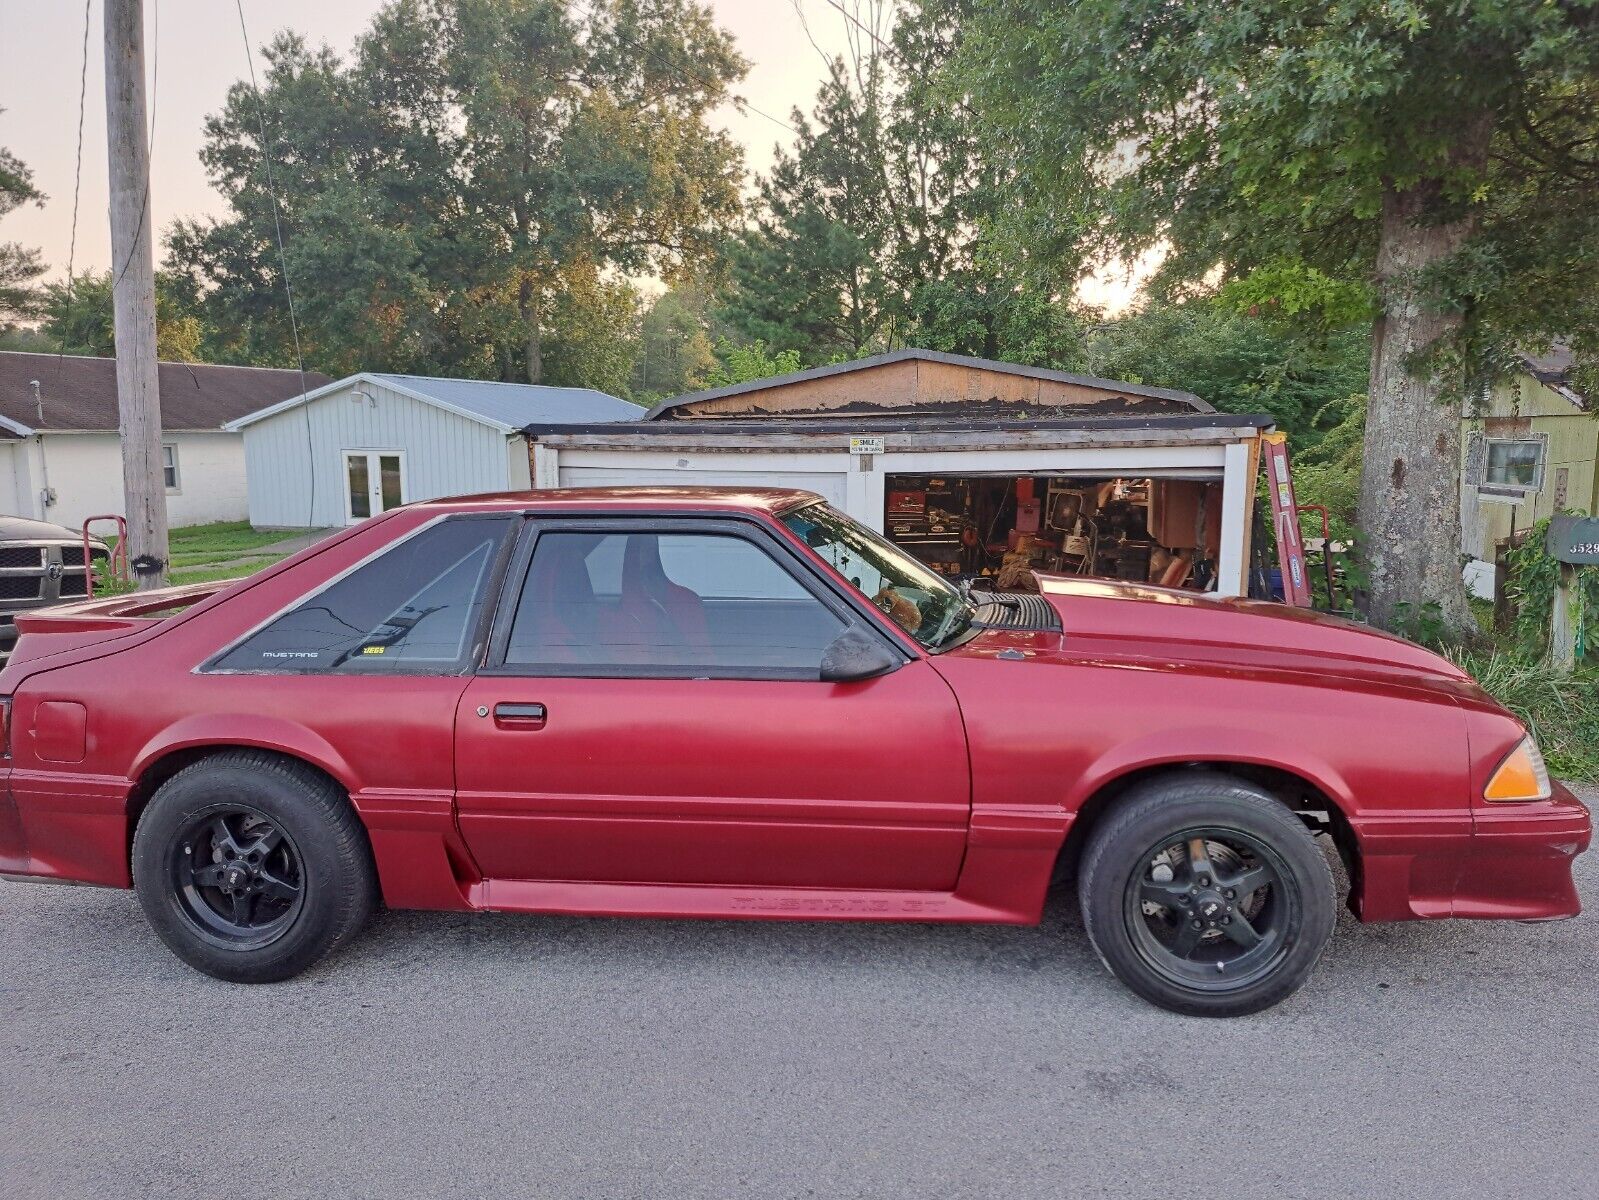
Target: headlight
x=1522 y=776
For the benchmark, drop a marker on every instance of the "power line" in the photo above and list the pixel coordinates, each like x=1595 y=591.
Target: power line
x=77 y=184
x=283 y=261
x=855 y=21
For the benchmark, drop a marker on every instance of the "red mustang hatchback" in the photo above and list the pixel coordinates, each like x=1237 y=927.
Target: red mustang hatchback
x=693 y=703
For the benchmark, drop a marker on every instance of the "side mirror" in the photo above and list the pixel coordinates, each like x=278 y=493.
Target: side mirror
x=855 y=654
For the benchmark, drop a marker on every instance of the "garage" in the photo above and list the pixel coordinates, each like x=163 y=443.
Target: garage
x=981 y=469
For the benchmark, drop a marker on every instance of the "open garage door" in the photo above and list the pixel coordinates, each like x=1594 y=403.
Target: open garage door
x=830 y=484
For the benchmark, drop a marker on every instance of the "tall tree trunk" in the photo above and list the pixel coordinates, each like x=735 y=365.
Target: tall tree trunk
x=528 y=308
x=1410 y=481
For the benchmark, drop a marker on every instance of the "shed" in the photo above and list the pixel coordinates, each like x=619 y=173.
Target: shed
x=362 y=445
x=978 y=467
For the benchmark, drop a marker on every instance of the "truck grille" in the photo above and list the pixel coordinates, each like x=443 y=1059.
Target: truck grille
x=74 y=585
x=21 y=557
x=20 y=587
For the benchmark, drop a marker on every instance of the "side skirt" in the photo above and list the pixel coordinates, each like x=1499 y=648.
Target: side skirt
x=715 y=902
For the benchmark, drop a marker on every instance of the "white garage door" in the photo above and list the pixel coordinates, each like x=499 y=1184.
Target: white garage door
x=829 y=484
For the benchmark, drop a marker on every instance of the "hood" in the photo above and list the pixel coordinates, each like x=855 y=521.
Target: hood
x=24 y=529
x=1129 y=620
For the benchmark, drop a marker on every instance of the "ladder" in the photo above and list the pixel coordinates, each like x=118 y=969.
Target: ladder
x=1285 y=519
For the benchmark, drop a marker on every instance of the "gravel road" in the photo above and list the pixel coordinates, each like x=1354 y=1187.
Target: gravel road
x=449 y=1055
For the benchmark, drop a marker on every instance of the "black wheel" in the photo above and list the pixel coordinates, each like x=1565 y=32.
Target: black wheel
x=252 y=867
x=1206 y=896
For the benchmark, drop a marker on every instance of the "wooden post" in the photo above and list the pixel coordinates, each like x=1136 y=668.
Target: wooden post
x=1563 y=622
x=133 y=294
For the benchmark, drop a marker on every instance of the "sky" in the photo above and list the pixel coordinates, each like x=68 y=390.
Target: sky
x=194 y=51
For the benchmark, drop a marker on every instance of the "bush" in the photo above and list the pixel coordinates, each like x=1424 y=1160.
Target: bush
x=1562 y=711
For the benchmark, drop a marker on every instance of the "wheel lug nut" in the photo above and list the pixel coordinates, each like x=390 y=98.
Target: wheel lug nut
x=1231 y=894
x=1226 y=920
x=1199 y=924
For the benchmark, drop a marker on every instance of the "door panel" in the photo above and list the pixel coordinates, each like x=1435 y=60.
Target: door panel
x=747 y=782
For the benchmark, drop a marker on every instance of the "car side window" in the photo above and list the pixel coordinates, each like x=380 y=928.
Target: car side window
x=415 y=608
x=624 y=602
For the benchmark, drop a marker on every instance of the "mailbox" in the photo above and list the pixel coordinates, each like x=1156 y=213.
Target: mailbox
x=1573 y=539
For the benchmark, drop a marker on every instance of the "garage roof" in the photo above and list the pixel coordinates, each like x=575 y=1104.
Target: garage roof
x=1132 y=390
x=505 y=406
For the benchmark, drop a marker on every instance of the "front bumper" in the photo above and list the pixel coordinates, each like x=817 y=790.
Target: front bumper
x=1506 y=861
x=1519 y=864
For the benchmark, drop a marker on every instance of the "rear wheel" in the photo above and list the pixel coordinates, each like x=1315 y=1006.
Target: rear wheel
x=1206 y=896
x=252 y=867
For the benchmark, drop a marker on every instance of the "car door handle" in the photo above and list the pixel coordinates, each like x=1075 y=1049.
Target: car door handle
x=519 y=714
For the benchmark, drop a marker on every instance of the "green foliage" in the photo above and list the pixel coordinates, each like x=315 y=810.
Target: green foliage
x=876 y=231
x=80 y=319
x=1237 y=362
x=1533 y=577
x=1561 y=711
x=1327 y=471
x=676 y=352
x=749 y=361
x=454 y=189
x=1266 y=136
x=19 y=265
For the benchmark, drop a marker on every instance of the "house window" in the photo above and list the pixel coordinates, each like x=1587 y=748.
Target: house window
x=169 y=466
x=1513 y=465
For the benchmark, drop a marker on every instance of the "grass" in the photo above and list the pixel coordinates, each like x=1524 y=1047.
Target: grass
x=221 y=550
x=1561 y=710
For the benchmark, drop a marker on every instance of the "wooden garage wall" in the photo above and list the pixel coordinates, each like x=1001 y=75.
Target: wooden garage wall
x=916 y=384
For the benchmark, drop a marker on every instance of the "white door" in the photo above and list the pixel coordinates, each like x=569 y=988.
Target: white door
x=374 y=483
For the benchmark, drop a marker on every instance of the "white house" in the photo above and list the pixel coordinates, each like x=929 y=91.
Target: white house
x=61 y=454
x=362 y=445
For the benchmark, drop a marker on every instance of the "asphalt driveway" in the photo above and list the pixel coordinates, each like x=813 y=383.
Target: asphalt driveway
x=463 y=1055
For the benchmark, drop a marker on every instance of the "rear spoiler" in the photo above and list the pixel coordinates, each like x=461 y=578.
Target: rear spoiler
x=127 y=611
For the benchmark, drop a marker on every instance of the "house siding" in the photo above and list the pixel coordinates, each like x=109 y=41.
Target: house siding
x=446 y=454
x=85 y=470
x=1523 y=408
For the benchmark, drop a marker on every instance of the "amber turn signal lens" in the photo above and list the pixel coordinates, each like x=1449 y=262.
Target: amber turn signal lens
x=1522 y=776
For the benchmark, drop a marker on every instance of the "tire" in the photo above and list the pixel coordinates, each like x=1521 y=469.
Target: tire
x=252 y=867
x=1174 y=920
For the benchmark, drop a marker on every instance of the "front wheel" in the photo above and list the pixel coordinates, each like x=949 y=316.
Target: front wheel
x=252 y=867
x=1206 y=896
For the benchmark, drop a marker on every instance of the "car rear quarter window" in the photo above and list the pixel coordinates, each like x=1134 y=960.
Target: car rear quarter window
x=415 y=608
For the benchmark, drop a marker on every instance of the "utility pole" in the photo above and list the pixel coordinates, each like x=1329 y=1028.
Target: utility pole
x=133 y=293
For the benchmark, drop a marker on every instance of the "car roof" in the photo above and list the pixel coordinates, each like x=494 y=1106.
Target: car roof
x=658 y=499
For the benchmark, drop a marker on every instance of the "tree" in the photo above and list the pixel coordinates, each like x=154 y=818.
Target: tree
x=1441 y=153
x=1237 y=362
x=876 y=230
x=810 y=274
x=676 y=352
x=439 y=188
x=749 y=361
x=79 y=320
x=19 y=265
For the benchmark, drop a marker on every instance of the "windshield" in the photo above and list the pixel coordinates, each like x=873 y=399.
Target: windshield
x=917 y=599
